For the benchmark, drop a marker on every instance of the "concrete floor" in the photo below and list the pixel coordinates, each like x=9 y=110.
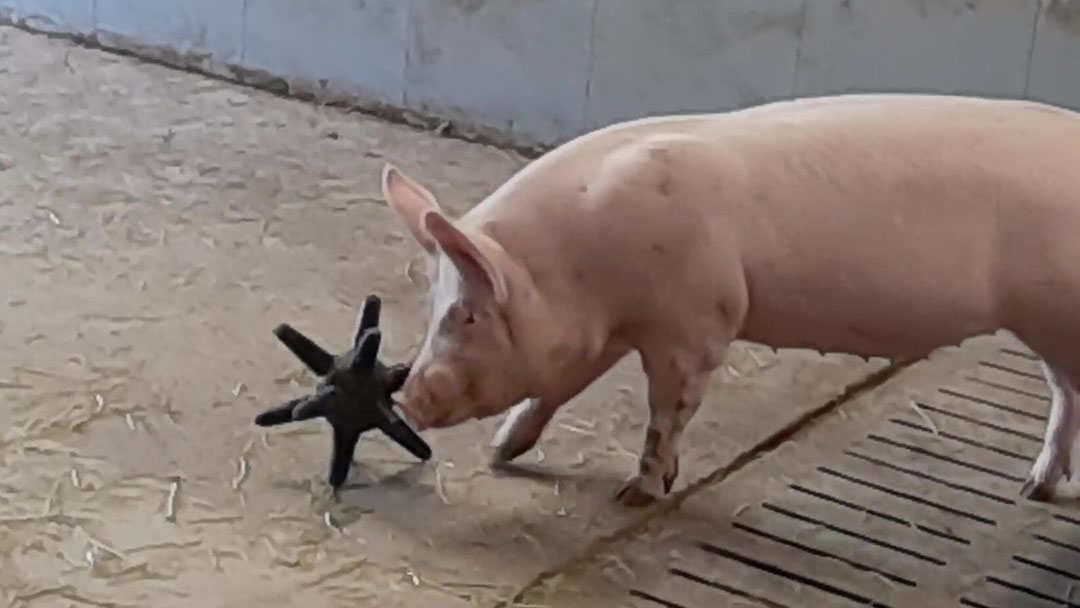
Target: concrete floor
x=154 y=227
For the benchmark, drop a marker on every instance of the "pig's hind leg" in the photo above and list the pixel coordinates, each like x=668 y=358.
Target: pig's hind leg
x=1062 y=429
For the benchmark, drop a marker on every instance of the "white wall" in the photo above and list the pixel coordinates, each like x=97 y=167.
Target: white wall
x=541 y=71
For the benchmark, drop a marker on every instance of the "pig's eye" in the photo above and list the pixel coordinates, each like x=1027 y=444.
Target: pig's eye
x=460 y=313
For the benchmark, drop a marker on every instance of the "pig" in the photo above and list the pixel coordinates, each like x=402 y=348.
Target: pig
x=880 y=225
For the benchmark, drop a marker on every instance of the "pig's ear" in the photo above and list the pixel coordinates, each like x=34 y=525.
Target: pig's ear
x=411 y=201
x=480 y=276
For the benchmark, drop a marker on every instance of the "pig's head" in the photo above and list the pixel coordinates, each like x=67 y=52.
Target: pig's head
x=469 y=365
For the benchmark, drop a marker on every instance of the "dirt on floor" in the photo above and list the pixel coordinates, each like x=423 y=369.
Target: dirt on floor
x=155 y=226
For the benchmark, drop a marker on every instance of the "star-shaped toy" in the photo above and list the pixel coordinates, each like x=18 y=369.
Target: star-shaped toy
x=353 y=393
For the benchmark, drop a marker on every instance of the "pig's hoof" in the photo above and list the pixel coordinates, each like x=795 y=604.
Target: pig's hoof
x=634 y=494
x=508 y=451
x=1037 y=491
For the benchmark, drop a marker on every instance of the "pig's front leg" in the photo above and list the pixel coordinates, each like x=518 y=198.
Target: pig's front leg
x=676 y=387
x=527 y=420
x=522 y=429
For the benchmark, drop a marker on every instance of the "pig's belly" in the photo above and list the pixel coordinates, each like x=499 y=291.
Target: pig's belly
x=871 y=315
x=891 y=276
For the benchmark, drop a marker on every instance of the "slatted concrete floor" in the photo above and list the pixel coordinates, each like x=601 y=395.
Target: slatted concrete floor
x=922 y=508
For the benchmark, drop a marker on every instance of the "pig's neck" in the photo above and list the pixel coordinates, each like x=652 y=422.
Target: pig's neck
x=561 y=337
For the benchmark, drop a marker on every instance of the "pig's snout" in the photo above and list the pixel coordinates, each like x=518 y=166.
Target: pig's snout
x=440 y=381
x=434 y=386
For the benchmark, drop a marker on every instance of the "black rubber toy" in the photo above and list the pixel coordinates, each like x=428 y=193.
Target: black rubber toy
x=353 y=393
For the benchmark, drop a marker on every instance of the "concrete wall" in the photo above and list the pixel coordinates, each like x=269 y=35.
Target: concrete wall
x=541 y=71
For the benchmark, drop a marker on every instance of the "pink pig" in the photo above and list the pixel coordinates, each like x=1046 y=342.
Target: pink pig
x=876 y=225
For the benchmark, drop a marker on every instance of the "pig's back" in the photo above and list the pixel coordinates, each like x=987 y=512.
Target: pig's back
x=871 y=224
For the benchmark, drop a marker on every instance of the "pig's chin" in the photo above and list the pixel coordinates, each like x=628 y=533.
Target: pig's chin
x=433 y=413
x=438 y=418
x=455 y=417
x=430 y=405
x=437 y=415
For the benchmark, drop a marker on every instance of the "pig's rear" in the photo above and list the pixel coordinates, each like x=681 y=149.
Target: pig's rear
x=892 y=233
